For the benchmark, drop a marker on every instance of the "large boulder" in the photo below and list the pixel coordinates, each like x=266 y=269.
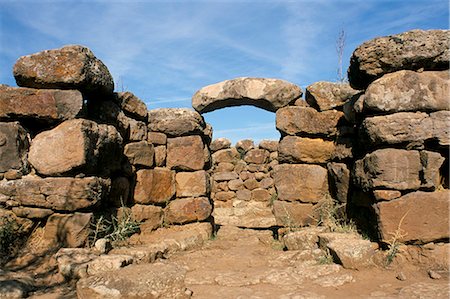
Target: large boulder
x=69 y=67
x=268 y=94
x=61 y=194
x=154 y=185
x=419 y=217
x=41 y=106
x=412 y=50
x=408 y=91
x=398 y=169
x=76 y=146
x=158 y=280
x=307 y=121
x=301 y=182
x=176 y=121
x=328 y=95
x=14 y=144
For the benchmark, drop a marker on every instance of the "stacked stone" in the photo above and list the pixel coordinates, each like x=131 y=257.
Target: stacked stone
x=55 y=163
x=177 y=190
x=404 y=129
x=315 y=153
x=242 y=184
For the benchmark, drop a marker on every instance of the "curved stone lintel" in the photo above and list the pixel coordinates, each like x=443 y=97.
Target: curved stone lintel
x=267 y=94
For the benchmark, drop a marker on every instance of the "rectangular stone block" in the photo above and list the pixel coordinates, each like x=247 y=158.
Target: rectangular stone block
x=62 y=194
x=46 y=106
x=418 y=217
x=192 y=184
x=293 y=149
x=154 y=185
x=185 y=153
x=301 y=182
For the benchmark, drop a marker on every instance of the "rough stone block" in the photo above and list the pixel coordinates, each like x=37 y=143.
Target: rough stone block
x=176 y=121
x=293 y=149
x=270 y=145
x=157 y=138
x=230 y=155
x=132 y=105
x=154 y=185
x=140 y=153
x=14 y=144
x=76 y=146
x=328 y=95
x=68 y=230
x=185 y=210
x=185 y=153
x=220 y=143
x=294 y=214
x=61 y=194
x=352 y=253
x=256 y=156
x=69 y=67
x=340 y=180
x=412 y=50
x=192 y=184
x=306 y=121
x=418 y=217
x=302 y=182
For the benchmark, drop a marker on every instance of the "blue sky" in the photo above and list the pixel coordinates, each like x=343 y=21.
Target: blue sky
x=164 y=51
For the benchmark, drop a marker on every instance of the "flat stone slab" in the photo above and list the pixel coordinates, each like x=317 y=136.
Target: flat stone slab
x=268 y=94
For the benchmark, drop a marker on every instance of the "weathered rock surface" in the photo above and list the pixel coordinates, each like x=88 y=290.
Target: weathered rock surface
x=305 y=121
x=293 y=149
x=132 y=105
x=270 y=145
x=328 y=95
x=303 y=239
x=158 y=280
x=412 y=50
x=176 y=121
x=14 y=144
x=69 y=67
x=61 y=194
x=352 y=253
x=220 y=143
x=408 y=91
x=154 y=185
x=192 y=184
x=340 y=180
x=140 y=153
x=381 y=195
x=294 y=214
x=73 y=262
x=230 y=155
x=32 y=213
x=76 y=146
x=431 y=165
x=301 y=182
x=268 y=94
x=157 y=138
x=249 y=214
x=151 y=216
x=418 y=217
x=185 y=153
x=402 y=127
x=106 y=263
x=184 y=210
x=441 y=129
x=256 y=156
x=389 y=168
x=42 y=106
x=244 y=145
x=68 y=230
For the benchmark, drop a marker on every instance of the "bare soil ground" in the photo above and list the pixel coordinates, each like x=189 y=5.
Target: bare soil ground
x=244 y=263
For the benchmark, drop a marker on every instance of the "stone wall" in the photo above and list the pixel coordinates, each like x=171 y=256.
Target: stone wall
x=71 y=147
x=242 y=184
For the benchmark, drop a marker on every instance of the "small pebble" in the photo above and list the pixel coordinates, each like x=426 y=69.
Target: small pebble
x=401 y=276
x=434 y=274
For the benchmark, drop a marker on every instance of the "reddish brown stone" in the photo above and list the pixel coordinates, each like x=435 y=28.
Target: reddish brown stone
x=251 y=184
x=140 y=153
x=224 y=195
x=132 y=105
x=244 y=145
x=328 y=95
x=192 y=184
x=307 y=121
x=160 y=155
x=261 y=195
x=419 y=217
x=46 y=106
x=150 y=216
x=62 y=194
x=154 y=185
x=385 y=195
x=32 y=213
x=270 y=145
x=186 y=210
x=293 y=149
x=76 y=145
x=120 y=192
x=294 y=214
x=301 y=182
x=69 y=67
x=230 y=155
x=157 y=138
x=219 y=143
x=256 y=156
x=68 y=230
x=176 y=121
x=185 y=153
x=340 y=179
x=138 y=130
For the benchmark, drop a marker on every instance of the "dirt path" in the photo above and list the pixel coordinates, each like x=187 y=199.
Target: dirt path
x=249 y=264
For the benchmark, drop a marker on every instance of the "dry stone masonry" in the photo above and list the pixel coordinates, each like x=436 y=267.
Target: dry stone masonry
x=378 y=146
